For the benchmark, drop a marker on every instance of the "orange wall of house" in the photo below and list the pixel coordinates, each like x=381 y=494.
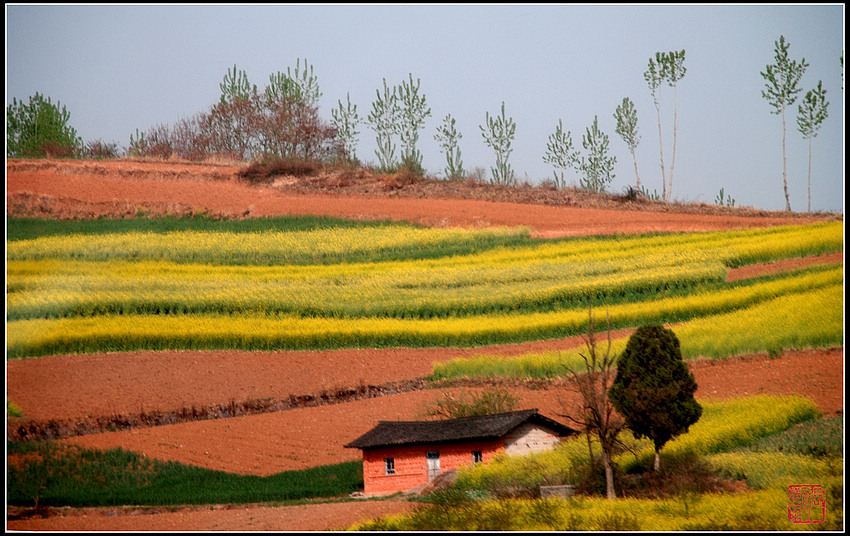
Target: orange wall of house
x=411 y=468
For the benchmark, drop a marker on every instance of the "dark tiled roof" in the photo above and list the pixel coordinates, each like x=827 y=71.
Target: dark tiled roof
x=463 y=429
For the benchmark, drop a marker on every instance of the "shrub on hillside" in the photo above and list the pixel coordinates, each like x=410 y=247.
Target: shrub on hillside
x=100 y=149
x=491 y=400
x=278 y=167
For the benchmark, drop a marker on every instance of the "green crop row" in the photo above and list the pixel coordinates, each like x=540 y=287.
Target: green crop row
x=70 y=476
x=456 y=248
x=267 y=332
x=50 y=289
x=317 y=246
x=796 y=320
x=32 y=228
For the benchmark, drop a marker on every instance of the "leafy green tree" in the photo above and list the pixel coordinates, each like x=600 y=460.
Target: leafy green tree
x=560 y=153
x=448 y=136
x=411 y=114
x=597 y=167
x=810 y=115
x=40 y=128
x=384 y=121
x=286 y=121
x=235 y=85
x=781 y=88
x=499 y=135
x=654 y=389
x=230 y=119
x=627 y=129
x=345 y=120
x=280 y=122
x=299 y=86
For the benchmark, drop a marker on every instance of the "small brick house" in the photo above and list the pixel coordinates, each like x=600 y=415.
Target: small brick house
x=401 y=455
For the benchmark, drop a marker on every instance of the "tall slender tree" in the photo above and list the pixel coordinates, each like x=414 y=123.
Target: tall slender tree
x=447 y=135
x=235 y=85
x=810 y=115
x=232 y=114
x=627 y=128
x=499 y=135
x=345 y=120
x=675 y=71
x=412 y=111
x=666 y=67
x=384 y=121
x=560 y=153
x=782 y=80
x=597 y=167
x=654 y=76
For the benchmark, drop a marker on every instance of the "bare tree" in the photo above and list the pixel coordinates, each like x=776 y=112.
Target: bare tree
x=598 y=417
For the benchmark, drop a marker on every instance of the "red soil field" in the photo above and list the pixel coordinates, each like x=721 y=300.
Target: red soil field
x=79 y=386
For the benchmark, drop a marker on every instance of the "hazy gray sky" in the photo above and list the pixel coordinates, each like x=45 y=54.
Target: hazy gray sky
x=121 y=68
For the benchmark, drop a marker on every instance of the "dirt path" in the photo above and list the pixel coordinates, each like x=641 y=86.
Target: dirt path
x=306 y=517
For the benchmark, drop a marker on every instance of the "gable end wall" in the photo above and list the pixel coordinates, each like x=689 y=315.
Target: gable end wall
x=530 y=437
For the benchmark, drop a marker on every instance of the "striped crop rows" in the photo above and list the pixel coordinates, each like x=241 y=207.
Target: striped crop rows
x=392 y=285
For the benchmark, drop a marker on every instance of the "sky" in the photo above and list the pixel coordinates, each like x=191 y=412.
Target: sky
x=120 y=68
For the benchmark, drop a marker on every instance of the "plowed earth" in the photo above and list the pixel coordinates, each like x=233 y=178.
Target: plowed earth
x=84 y=388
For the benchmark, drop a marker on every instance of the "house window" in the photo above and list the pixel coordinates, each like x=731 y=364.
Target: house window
x=389 y=466
x=477 y=456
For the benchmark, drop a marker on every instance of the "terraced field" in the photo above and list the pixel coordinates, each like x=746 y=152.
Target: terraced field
x=228 y=316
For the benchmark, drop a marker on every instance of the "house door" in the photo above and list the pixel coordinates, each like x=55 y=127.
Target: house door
x=433 y=460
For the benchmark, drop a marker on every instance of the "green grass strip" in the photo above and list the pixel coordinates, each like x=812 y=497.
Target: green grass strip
x=83 y=477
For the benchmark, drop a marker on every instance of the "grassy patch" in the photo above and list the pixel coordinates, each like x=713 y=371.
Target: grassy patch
x=817 y=437
x=54 y=475
x=32 y=228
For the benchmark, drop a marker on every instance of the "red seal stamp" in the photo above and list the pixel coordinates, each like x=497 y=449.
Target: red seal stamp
x=806 y=504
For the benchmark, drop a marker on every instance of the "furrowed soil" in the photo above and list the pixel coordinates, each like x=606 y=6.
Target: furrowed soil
x=262 y=413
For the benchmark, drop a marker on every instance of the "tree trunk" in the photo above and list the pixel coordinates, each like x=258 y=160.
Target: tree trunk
x=634 y=159
x=809 y=183
x=661 y=152
x=657 y=464
x=609 y=475
x=784 y=167
x=673 y=161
